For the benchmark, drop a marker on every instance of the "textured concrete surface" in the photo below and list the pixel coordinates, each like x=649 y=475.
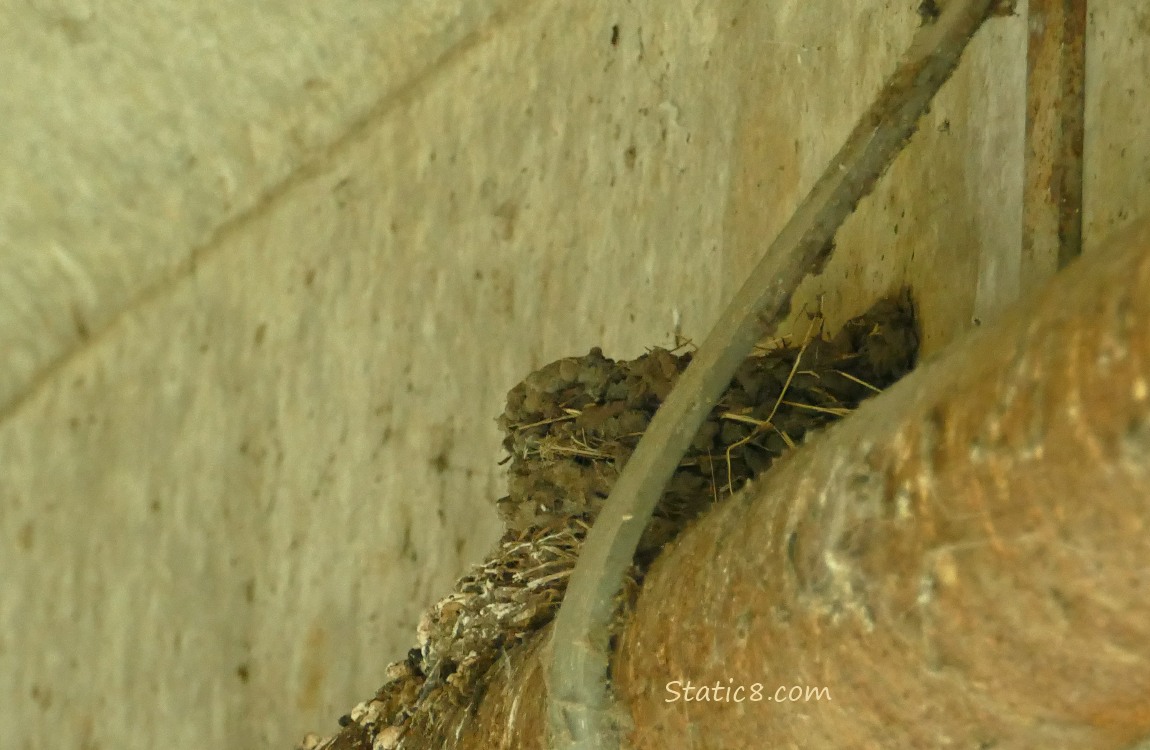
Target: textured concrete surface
x=266 y=275
x=142 y=132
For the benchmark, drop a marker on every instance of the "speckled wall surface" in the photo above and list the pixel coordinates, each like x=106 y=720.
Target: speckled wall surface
x=265 y=279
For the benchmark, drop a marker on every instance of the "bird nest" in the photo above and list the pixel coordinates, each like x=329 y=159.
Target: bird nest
x=569 y=428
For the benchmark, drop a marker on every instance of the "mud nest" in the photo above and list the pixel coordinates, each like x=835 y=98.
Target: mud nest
x=571 y=426
x=569 y=429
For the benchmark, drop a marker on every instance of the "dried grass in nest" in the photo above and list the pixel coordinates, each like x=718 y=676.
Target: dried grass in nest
x=512 y=594
x=569 y=428
x=572 y=425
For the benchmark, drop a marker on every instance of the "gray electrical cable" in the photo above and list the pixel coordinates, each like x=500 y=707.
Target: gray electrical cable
x=580 y=703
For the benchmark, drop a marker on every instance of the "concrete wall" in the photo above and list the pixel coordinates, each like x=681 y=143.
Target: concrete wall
x=266 y=274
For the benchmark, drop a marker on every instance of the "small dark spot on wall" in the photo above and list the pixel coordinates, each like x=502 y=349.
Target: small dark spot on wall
x=261 y=332
x=342 y=192
x=27 y=536
x=460 y=543
x=82 y=329
x=250 y=590
x=478 y=276
x=155 y=506
x=243 y=673
x=42 y=697
x=615 y=35
x=75 y=30
x=309 y=277
x=314 y=670
x=630 y=156
x=508 y=213
x=440 y=462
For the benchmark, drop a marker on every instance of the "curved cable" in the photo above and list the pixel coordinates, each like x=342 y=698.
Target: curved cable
x=580 y=702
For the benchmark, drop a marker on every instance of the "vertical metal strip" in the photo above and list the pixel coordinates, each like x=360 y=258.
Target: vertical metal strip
x=1055 y=107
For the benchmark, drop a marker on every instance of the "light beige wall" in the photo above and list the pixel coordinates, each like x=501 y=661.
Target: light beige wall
x=264 y=281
